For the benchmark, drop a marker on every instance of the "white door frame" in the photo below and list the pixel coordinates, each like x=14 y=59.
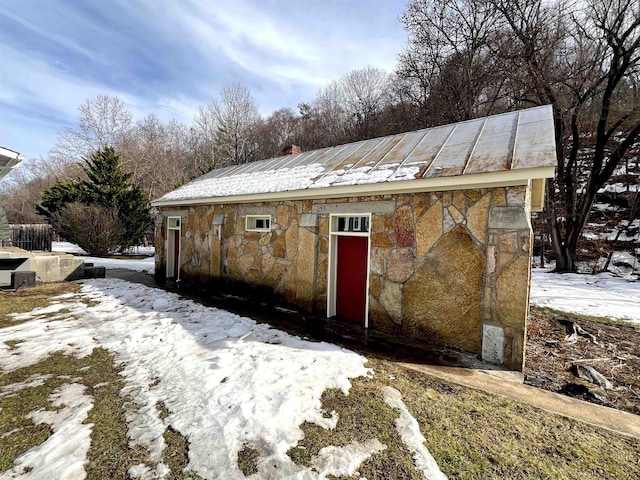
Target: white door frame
x=173 y=226
x=333 y=262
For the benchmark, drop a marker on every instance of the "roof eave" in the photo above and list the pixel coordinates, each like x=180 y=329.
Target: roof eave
x=9 y=159
x=483 y=180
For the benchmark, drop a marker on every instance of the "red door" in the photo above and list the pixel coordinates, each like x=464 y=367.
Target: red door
x=351 y=278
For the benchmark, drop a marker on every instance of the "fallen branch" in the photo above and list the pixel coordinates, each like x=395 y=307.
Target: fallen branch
x=587 y=360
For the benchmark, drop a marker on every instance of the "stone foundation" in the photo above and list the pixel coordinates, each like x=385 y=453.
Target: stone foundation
x=450 y=268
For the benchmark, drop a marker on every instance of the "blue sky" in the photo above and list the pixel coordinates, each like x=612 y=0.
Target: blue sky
x=169 y=57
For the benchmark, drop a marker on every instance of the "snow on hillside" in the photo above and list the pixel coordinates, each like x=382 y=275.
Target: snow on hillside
x=604 y=294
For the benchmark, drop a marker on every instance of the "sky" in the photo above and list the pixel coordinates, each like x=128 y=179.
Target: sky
x=169 y=57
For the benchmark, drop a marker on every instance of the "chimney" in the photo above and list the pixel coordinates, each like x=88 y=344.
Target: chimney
x=291 y=150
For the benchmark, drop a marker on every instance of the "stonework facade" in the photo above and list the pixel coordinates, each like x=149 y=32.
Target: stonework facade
x=449 y=268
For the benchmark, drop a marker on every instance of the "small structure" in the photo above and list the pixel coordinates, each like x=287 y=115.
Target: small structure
x=21 y=268
x=425 y=234
x=8 y=161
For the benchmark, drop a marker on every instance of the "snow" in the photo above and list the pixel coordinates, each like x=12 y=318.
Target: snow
x=63 y=454
x=619 y=188
x=344 y=461
x=274 y=180
x=67 y=247
x=409 y=431
x=139 y=265
x=603 y=294
x=31 y=382
x=224 y=379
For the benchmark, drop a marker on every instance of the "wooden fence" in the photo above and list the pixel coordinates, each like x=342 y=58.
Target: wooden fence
x=32 y=237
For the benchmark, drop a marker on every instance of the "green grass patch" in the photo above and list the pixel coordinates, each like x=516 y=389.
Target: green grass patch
x=471 y=435
x=363 y=415
x=478 y=436
x=109 y=455
x=176 y=453
x=247 y=460
x=12 y=344
x=26 y=300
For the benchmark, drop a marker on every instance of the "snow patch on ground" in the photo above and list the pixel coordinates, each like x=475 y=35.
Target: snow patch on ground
x=602 y=294
x=63 y=454
x=139 y=265
x=409 y=431
x=31 y=382
x=344 y=461
x=67 y=247
x=225 y=380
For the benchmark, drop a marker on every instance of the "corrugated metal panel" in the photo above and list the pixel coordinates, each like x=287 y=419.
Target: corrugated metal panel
x=494 y=148
x=380 y=151
x=420 y=159
x=538 y=114
x=341 y=157
x=402 y=149
x=535 y=145
x=453 y=156
x=357 y=155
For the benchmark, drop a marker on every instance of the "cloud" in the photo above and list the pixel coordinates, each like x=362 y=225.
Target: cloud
x=168 y=57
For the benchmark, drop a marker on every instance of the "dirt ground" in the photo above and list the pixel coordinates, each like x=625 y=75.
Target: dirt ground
x=554 y=357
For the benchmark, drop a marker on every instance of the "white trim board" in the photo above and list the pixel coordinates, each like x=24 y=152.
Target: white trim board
x=485 y=180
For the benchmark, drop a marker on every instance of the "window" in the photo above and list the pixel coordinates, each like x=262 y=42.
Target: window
x=258 y=223
x=174 y=223
x=353 y=224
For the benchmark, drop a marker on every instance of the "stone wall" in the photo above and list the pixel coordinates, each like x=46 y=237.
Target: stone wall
x=450 y=268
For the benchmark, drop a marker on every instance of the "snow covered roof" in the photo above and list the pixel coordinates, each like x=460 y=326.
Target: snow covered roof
x=8 y=160
x=505 y=149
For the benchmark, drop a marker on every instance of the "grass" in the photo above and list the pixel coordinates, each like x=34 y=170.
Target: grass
x=247 y=460
x=30 y=298
x=176 y=453
x=110 y=455
x=363 y=415
x=471 y=435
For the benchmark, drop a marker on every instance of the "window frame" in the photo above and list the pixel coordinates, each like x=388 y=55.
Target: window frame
x=252 y=220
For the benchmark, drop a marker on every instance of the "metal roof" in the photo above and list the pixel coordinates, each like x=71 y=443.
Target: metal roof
x=512 y=142
x=8 y=160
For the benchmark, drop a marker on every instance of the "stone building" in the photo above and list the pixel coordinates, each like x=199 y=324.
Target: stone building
x=425 y=234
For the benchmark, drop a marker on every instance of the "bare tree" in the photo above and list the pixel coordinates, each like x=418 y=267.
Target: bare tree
x=102 y=120
x=364 y=93
x=229 y=126
x=157 y=153
x=283 y=127
x=584 y=61
x=469 y=58
x=447 y=68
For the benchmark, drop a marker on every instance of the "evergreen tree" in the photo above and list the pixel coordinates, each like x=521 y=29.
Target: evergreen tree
x=59 y=195
x=107 y=186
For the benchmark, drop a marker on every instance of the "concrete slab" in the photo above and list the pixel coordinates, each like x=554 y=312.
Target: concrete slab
x=509 y=385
